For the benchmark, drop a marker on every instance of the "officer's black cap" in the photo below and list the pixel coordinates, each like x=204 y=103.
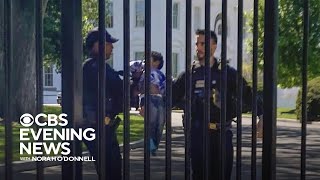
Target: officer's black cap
x=93 y=36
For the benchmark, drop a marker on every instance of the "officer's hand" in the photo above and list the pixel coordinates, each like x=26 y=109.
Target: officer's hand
x=141 y=111
x=260 y=128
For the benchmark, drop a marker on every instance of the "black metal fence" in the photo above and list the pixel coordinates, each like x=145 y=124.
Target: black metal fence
x=72 y=86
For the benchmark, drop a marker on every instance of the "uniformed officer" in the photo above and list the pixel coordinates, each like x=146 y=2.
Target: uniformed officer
x=114 y=102
x=197 y=109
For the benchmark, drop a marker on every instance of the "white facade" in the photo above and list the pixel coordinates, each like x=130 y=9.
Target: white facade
x=52 y=85
x=158 y=29
x=158 y=32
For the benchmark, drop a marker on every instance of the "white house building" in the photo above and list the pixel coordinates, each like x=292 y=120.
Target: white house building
x=52 y=85
x=158 y=34
x=158 y=29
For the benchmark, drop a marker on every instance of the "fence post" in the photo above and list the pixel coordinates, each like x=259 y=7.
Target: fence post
x=71 y=61
x=270 y=90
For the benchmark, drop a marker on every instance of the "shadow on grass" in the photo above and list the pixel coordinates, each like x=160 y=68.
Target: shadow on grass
x=292 y=111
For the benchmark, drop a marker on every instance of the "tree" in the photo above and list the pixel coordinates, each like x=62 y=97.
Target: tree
x=52 y=34
x=52 y=27
x=23 y=65
x=291 y=41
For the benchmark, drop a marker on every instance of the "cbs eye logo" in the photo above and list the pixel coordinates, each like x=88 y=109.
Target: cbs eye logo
x=26 y=120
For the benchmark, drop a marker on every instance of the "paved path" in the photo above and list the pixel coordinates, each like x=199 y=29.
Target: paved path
x=288 y=153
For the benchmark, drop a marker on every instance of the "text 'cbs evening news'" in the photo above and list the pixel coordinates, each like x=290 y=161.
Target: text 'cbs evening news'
x=50 y=140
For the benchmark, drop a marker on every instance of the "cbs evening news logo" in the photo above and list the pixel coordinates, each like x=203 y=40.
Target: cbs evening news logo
x=51 y=139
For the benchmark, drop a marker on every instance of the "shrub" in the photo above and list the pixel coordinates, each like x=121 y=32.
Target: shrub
x=313 y=101
x=246 y=108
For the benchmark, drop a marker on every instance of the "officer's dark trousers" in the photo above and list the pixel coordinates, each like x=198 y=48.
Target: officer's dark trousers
x=214 y=153
x=113 y=156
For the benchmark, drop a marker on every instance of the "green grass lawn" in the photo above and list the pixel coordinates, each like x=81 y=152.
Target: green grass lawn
x=136 y=128
x=136 y=131
x=15 y=143
x=286 y=113
x=52 y=109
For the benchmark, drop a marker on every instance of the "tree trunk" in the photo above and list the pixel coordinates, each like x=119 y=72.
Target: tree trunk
x=23 y=65
x=23 y=72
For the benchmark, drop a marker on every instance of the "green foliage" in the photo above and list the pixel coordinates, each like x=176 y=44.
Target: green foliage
x=52 y=34
x=247 y=72
x=313 y=101
x=290 y=40
x=52 y=27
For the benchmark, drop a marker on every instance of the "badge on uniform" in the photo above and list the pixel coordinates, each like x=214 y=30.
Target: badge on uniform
x=213 y=126
x=199 y=84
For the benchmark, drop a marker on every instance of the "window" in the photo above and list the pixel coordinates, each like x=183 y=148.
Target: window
x=140 y=13
x=175 y=16
x=139 y=55
x=109 y=16
x=196 y=21
x=175 y=57
x=48 y=76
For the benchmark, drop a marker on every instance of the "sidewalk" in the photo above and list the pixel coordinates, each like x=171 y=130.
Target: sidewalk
x=288 y=155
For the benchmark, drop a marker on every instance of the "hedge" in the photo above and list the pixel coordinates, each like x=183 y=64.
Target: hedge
x=313 y=101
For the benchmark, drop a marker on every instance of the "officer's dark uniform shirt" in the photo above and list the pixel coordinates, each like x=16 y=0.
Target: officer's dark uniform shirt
x=114 y=88
x=198 y=95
